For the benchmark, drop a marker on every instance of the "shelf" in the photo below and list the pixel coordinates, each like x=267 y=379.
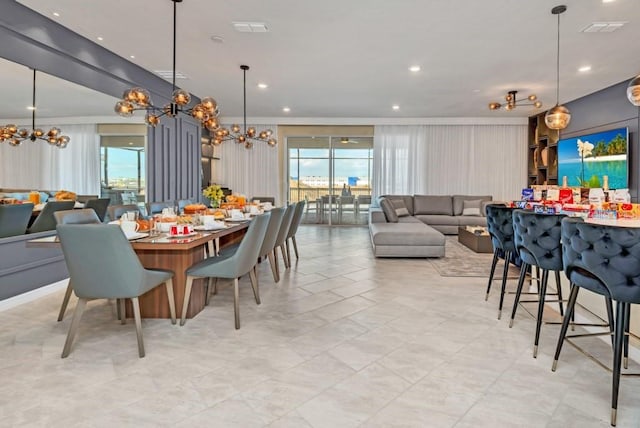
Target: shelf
x=543 y=168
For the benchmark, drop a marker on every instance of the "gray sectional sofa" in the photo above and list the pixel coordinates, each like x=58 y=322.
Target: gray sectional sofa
x=415 y=225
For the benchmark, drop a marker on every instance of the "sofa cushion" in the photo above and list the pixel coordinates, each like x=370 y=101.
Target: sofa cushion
x=428 y=204
x=474 y=220
x=471 y=207
x=400 y=207
x=407 y=199
x=389 y=210
x=458 y=201
x=437 y=219
x=405 y=234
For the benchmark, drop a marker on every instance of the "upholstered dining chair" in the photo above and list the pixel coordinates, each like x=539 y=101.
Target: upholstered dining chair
x=99 y=206
x=45 y=220
x=181 y=204
x=231 y=265
x=293 y=229
x=268 y=244
x=83 y=216
x=14 y=219
x=500 y=228
x=537 y=241
x=110 y=270
x=116 y=211
x=157 y=207
x=605 y=260
x=281 y=239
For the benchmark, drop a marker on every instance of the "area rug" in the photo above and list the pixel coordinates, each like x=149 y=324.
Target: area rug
x=462 y=261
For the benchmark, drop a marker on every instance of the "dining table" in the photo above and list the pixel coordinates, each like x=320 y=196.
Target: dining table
x=176 y=253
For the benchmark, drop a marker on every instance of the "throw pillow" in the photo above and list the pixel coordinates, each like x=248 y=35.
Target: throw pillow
x=471 y=207
x=400 y=208
x=388 y=210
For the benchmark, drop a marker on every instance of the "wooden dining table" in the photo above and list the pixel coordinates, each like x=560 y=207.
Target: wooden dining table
x=176 y=254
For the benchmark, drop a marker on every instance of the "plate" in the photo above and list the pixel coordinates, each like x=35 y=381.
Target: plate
x=237 y=220
x=136 y=235
x=183 y=235
x=210 y=228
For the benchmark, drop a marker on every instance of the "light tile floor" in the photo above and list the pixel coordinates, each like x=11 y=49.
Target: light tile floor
x=344 y=340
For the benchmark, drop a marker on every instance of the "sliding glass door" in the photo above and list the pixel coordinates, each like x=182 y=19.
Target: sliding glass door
x=333 y=174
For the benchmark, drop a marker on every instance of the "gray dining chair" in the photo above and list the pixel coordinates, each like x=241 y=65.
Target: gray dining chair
x=99 y=206
x=110 y=270
x=264 y=199
x=281 y=239
x=14 y=219
x=83 y=216
x=231 y=266
x=45 y=220
x=267 y=247
x=181 y=204
x=116 y=211
x=293 y=229
x=157 y=207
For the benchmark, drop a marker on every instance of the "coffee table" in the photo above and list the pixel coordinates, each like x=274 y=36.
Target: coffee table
x=477 y=243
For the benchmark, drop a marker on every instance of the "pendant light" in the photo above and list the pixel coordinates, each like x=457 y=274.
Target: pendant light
x=633 y=91
x=559 y=116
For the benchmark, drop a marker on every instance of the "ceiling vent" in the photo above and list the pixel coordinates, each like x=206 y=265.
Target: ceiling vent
x=250 y=27
x=603 y=27
x=168 y=74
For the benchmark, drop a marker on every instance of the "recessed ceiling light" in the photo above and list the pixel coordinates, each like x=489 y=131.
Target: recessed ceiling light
x=263 y=85
x=584 y=69
x=414 y=68
x=56 y=14
x=608 y=1
x=31 y=108
x=132 y=56
x=286 y=109
x=100 y=38
x=395 y=107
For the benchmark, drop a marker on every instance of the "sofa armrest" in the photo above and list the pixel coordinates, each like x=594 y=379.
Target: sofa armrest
x=376 y=215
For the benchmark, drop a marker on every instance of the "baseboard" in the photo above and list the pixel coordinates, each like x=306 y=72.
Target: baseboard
x=32 y=295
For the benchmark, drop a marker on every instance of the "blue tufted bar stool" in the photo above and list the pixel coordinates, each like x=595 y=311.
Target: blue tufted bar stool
x=606 y=260
x=500 y=228
x=537 y=240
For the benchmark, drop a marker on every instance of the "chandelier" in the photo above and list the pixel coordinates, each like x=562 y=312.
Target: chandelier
x=15 y=136
x=206 y=112
x=245 y=135
x=559 y=116
x=512 y=101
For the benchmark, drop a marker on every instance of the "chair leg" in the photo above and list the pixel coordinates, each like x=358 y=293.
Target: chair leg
x=138 y=321
x=559 y=291
x=254 y=284
x=187 y=296
x=236 y=304
x=609 y=304
x=491 y=273
x=295 y=246
x=65 y=301
x=286 y=245
x=516 y=301
x=274 y=267
x=122 y=310
x=284 y=256
x=568 y=315
x=275 y=261
x=541 y=299
x=207 y=292
x=505 y=273
x=627 y=318
x=73 y=329
x=621 y=308
x=172 y=301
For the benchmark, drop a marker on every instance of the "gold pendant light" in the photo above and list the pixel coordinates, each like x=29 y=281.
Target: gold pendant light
x=559 y=116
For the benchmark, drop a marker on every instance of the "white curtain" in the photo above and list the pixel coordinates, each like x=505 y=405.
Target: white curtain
x=249 y=172
x=39 y=166
x=450 y=159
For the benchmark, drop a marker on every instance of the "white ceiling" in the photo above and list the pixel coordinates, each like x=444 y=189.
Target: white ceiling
x=350 y=58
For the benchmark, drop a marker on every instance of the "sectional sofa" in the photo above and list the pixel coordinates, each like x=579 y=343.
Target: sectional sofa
x=416 y=225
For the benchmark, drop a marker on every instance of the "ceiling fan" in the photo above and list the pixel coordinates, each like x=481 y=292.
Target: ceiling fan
x=346 y=140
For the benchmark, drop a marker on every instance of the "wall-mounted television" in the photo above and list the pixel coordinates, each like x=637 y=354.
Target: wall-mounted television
x=585 y=159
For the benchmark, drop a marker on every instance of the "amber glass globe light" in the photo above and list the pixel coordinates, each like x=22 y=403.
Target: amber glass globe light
x=633 y=91
x=557 y=117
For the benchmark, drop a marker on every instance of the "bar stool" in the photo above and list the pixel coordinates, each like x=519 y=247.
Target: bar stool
x=605 y=260
x=537 y=240
x=500 y=227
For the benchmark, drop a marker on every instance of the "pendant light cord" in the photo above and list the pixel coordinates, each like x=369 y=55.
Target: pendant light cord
x=244 y=91
x=558 y=66
x=33 y=103
x=175 y=5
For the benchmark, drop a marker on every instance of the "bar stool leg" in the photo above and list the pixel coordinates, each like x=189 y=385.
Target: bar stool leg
x=609 y=304
x=523 y=273
x=493 y=270
x=505 y=272
x=627 y=317
x=621 y=308
x=543 y=293
x=573 y=296
x=559 y=290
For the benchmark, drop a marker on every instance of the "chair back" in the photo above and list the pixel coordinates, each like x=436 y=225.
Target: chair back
x=157 y=207
x=287 y=218
x=275 y=220
x=297 y=218
x=364 y=199
x=264 y=199
x=181 y=204
x=500 y=227
x=603 y=259
x=101 y=261
x=116 y=211
x=99 y=206
x=14 y=219
x=45 y=220
x=84 y=216
x=537 y=238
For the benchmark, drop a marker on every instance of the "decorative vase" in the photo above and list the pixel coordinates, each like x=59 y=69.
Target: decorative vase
x=215 y=203
x=544 y=156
